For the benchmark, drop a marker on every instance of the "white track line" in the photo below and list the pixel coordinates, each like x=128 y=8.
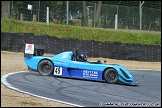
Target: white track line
x=4 y=81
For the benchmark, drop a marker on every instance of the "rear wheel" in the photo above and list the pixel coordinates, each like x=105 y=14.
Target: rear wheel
x=45 y=67
x=111 y=75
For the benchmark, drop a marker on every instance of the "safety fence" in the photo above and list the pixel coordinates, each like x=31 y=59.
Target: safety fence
x=130 y=17
x=114 y=50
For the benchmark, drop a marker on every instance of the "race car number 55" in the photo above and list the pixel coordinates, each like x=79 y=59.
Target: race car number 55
x=58 y=71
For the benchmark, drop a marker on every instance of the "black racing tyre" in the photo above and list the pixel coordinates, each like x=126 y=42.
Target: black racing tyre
x=111 y=76
x=45 y=67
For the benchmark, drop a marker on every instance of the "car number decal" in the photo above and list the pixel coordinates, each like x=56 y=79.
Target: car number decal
x=58 y=71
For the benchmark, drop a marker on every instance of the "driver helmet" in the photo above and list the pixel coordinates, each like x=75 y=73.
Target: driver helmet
x=82 y=56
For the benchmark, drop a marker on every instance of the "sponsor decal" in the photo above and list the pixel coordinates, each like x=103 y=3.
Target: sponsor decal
x=29 y=48
x=90 y=74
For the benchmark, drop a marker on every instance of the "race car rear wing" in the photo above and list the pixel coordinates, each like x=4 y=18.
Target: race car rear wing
x=33 y=50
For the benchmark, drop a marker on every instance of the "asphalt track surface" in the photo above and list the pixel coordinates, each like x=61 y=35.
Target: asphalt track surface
x=84 y=93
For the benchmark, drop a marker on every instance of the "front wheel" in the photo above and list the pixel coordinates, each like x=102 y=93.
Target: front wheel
x=111 y=76
x=45 y=67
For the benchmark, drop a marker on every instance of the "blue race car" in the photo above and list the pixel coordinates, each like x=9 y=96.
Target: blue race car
x=74 y=64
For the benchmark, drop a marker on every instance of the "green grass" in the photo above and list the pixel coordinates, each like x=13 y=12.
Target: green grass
x=81 y=33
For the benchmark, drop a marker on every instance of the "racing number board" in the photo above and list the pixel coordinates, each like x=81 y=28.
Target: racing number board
x=58 y=71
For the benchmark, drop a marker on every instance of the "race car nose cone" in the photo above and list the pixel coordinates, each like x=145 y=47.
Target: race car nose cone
x=134 y=81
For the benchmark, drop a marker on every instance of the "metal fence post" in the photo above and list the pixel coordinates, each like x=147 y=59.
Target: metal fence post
x=67 y=12
x=47 y=18
x=140 y=6
x=116 y=22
